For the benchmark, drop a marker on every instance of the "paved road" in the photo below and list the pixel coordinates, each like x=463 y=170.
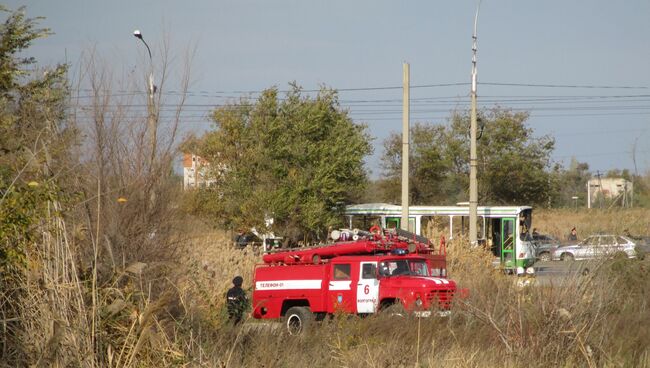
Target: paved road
x=558 y=272
x=559 y=268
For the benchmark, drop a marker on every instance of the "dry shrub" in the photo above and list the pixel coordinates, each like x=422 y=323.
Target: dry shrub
x=558 y=222
x=45 y=318
x=99 y=287
x=171 y=314
x=467 y=264
x=209 y=264
x=594 y=320
x=149 y=291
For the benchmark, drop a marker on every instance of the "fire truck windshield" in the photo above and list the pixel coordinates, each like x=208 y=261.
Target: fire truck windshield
x=399 y=267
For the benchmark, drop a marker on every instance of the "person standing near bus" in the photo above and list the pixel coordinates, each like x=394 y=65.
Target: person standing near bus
x=573 y=236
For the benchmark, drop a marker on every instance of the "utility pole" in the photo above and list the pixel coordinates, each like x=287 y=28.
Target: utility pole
x=152 y=125
x=404 y=224
x=600 y=185
x=473 y=185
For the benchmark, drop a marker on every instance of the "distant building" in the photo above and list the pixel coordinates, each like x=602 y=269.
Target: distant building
x=613 y=190
x=195 y=171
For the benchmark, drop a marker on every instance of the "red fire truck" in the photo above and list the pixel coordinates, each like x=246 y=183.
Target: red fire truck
x=377 y=270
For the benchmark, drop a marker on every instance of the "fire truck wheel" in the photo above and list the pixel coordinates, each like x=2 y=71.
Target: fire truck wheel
x=393 y=309
x=297 y=320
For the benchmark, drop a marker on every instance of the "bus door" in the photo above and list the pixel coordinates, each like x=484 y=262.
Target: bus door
x=508 y=240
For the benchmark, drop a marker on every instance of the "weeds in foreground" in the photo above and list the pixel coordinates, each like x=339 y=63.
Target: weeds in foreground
x=172 y=315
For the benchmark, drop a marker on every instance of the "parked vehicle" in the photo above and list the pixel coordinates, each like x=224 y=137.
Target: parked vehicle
x=642 y=246
x=544 y=246
x=253 y=238
x=378 y=271
x=597 y=246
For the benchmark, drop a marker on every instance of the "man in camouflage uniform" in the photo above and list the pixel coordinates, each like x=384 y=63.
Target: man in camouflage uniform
x=236 y=301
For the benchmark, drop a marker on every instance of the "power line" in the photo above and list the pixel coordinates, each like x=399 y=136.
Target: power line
x=598 y=132
x=443 y=117
x=601 y=154
x=561 y=86
x=359 y=89
x=424 y=102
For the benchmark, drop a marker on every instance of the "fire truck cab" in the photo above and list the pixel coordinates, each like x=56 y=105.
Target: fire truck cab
x=363 y=276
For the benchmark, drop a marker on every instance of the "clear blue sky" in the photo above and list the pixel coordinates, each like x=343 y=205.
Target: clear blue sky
x=251 y=45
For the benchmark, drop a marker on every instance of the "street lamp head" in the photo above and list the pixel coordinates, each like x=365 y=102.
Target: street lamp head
x=138 y=34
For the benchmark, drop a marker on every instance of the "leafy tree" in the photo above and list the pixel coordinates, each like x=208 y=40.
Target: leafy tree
x=512 y=164
x=35 y=141
x=641 y=196
x=571 y=182
x=294 y=159
x=34 y=136
x=429 y=163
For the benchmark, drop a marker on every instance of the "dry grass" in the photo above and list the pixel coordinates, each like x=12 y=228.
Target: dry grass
x=45 y=316
x=615 y=221
x=171 y=314
x=591 y=321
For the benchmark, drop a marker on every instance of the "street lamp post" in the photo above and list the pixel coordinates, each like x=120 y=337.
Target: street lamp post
x=473 y=185
x=151 y=121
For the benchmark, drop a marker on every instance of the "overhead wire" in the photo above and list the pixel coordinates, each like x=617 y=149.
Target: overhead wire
x=359 y=108
x=372 y=88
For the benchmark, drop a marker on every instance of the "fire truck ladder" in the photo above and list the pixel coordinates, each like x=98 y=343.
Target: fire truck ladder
x=370 y=244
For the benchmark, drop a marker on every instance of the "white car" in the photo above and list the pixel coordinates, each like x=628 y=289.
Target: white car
x=597 y=246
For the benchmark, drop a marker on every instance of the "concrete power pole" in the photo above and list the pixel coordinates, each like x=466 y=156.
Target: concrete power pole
x=473 y=185
x=404 y=223
x=152 y=120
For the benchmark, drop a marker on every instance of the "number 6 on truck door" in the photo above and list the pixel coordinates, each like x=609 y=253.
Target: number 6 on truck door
x=367 y=288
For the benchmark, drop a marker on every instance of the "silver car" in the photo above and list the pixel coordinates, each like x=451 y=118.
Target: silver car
x=597 y=246
x=544 y=246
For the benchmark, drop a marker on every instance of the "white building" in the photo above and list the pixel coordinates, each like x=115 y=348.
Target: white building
x=615 y=190
x=195 y=171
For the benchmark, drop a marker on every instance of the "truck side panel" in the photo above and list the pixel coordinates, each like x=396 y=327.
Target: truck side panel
x=276 y=286
x=342 y=286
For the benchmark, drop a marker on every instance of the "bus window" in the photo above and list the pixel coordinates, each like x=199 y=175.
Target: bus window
x=460 y=225
x=508 y=235
x=364 y=222
x=395 y=223
x=508 y=241
x=480 y=228
x=412 y=225
x=495 y=236
x=525 y=221
x=392 y=222
x=433 y=227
